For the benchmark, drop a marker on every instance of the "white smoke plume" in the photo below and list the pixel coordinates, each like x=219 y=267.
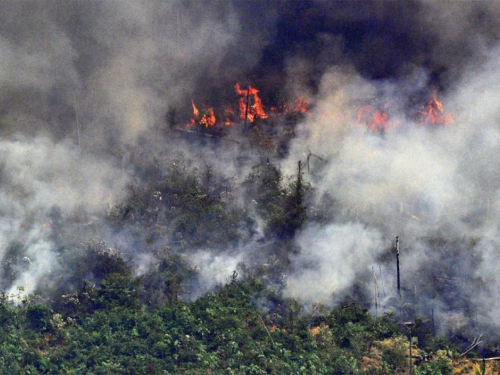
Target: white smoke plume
x=213 y=270
x=38 y=174
x=412 y=180
x=83 y=87
x=332 y=258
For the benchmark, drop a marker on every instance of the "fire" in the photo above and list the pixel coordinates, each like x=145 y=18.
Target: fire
x=250 y=107
x=229 y=114
x=248 y=97
x=301 y=105
x=380 y=119
x=207 y=119
x=255 y=109
x=433 y=112
x=196 y=113
x=375 y=120
x=313 y=331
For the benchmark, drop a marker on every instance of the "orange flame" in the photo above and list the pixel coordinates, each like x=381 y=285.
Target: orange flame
x=250 y=97
x=255 y=109
x=433 y=112
x=313 y=331
x=207 y=119
x=229 y=114
x=196 y=113
x=375 y=120
x=301 y=105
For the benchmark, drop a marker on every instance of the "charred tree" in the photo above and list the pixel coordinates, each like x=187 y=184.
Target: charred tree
x=247 y=106
x=397 y=268
x=296 y=208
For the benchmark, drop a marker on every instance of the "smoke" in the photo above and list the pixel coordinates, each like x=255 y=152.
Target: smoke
x=424 y=183
x=486 y=302
x=38 y=174
x=213 y=270
x=39 y=261
x=382 y=40
x=331 y=259
x=85 y=89
x=84 y=85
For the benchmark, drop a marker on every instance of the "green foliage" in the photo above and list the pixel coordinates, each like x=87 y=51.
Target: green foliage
x=225 y=331
x=439 y=366
x=38 y=317
x=166 y=279
x=280 y=204
x=185 y=205
x=94 y=261
x=99 y=318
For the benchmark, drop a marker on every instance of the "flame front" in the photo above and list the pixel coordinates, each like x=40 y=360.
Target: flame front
x=379 y=119
x=248 y=97
x=250 y=108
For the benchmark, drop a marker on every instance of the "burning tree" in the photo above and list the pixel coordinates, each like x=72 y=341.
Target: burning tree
x=250 y=109
x=433 y=112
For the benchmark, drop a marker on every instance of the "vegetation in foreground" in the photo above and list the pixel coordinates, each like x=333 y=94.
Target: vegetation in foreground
x=96 y=315
x=241 y=328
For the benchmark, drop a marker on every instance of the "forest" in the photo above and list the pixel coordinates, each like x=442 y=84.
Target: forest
x=249 y=187
x=148 y=308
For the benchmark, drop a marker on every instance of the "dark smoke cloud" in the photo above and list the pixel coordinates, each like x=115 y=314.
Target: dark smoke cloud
x=382 y=39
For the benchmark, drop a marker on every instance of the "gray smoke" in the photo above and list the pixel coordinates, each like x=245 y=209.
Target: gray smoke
x=332 y=259
x=213 y=270
x=85 y=89
x=38 y=174
x=84 y=86
x=416 y=181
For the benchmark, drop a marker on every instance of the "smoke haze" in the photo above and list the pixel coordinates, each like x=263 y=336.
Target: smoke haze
x=90 y=93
